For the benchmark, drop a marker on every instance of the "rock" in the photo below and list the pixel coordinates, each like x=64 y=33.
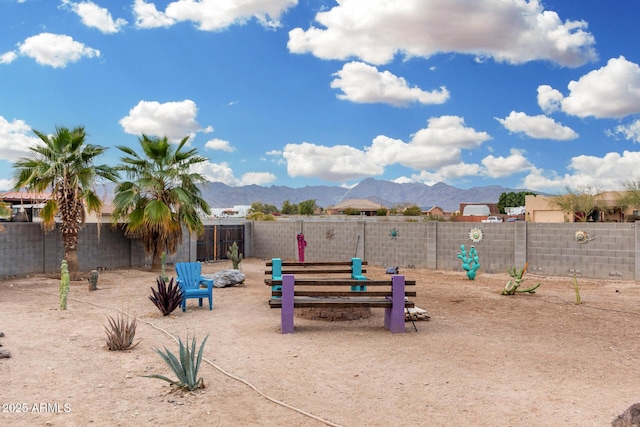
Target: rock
x=629 y=418
x=227 y=278
x=416 y=313
x=4 y=354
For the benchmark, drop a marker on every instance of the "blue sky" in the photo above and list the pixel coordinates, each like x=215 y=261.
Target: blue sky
x=523 y=94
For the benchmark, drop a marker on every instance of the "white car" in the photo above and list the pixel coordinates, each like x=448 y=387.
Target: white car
x=492 y=219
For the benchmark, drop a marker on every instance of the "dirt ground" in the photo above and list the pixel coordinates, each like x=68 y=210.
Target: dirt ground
x=482 y=360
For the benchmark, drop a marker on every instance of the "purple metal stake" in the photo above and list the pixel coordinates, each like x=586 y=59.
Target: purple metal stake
x=394 y=315
x=301 y=245
x=286 y=312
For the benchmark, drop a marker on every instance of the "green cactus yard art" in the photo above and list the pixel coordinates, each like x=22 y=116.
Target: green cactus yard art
x=512 y=286
x=470 y=261
x=234 y=256
x=64 y=284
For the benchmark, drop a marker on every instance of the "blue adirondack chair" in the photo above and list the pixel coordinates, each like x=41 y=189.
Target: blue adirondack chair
x=193 y=284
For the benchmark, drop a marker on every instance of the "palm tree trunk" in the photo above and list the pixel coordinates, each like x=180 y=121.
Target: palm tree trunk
x=71 y=255
x=156 y=260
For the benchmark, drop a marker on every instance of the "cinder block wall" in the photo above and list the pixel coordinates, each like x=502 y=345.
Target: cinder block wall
x=275 y=239
x=550 y=249
x=396 y=244
x=26 y=249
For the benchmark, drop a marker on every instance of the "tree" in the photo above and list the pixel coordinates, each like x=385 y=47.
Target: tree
x=631 y=196
x=307 y=207
x=512 y=200
x=413 y=210
x=5 y=211
x=262 y=208
x=161 y=195
x=288 y=208
x=63 y=164
x=581 y=203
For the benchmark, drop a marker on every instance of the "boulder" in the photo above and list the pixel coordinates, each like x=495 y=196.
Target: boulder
x=629 y=418
x=227 y=278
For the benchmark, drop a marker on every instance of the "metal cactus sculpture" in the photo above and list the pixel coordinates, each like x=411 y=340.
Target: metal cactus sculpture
x=233 y=255
x=470 y=261
x=64 y=284
x=511 y=288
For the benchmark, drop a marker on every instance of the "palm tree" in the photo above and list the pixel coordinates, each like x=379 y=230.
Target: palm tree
x=160 y=196
x=63 y=164
x=5 y=210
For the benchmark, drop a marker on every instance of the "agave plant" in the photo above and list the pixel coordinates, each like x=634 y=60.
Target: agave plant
x=120 y=333
x=167 y=298
x=186 y=367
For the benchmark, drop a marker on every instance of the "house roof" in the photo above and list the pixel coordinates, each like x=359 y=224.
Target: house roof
x=24 y=196
x=357 y=204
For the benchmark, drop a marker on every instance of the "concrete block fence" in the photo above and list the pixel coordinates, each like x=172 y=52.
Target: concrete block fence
x=550 y=249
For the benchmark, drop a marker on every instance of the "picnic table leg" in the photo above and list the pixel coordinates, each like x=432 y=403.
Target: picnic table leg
x=286 y=312
x=276 y=272
x=394 y=315
x=356 y=273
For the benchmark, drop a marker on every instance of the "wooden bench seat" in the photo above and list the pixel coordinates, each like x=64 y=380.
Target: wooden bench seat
x=290 y=292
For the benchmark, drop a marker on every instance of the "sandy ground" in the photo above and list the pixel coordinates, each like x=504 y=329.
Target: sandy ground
x=482 y=360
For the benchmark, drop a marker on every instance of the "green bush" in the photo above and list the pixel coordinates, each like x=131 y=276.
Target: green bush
x=186 y=367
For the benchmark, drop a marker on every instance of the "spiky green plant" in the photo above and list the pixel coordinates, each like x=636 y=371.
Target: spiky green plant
x=64 y=284
x=166 y=298
x=233 y=255
x=121 y=332
x=186 y=367
x=511 y=288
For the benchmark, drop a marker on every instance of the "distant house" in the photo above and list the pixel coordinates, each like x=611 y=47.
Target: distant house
x=437 y=212
x=238 y=211
x=541 y=209
x=363 y=206
x=25 y=206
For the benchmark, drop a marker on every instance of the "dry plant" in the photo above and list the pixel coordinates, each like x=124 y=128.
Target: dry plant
x=121 y=332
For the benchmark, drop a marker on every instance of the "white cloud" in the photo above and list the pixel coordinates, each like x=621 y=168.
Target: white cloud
x=338 y=163
x=212 y=15
x=8 y=58
x=363 y=83
x=175 y=120
x=6 y=184
x=15 y=139
x=513 y=31
x=437 y=146
x=95 y=16
x=147 y=16
x=612 y=91
x=219 y=144
x=257 y=178
x=447 y=173
x=630 y=131
x=538 y=127
x=55 y=50
x=607 y=172
x=549 y=99
x=222 y=172
x=497 y=167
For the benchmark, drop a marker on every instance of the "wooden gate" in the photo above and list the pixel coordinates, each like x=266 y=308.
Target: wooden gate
x=216 y=241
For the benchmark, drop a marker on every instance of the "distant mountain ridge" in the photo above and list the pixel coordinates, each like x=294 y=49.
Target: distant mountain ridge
x=387 y=193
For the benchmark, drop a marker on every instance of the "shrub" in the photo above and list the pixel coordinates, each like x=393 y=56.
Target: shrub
x=120 y=333
x=166 y=298
x=186 y=367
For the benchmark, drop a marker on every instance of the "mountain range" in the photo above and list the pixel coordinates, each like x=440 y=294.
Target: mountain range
x=386 y=193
